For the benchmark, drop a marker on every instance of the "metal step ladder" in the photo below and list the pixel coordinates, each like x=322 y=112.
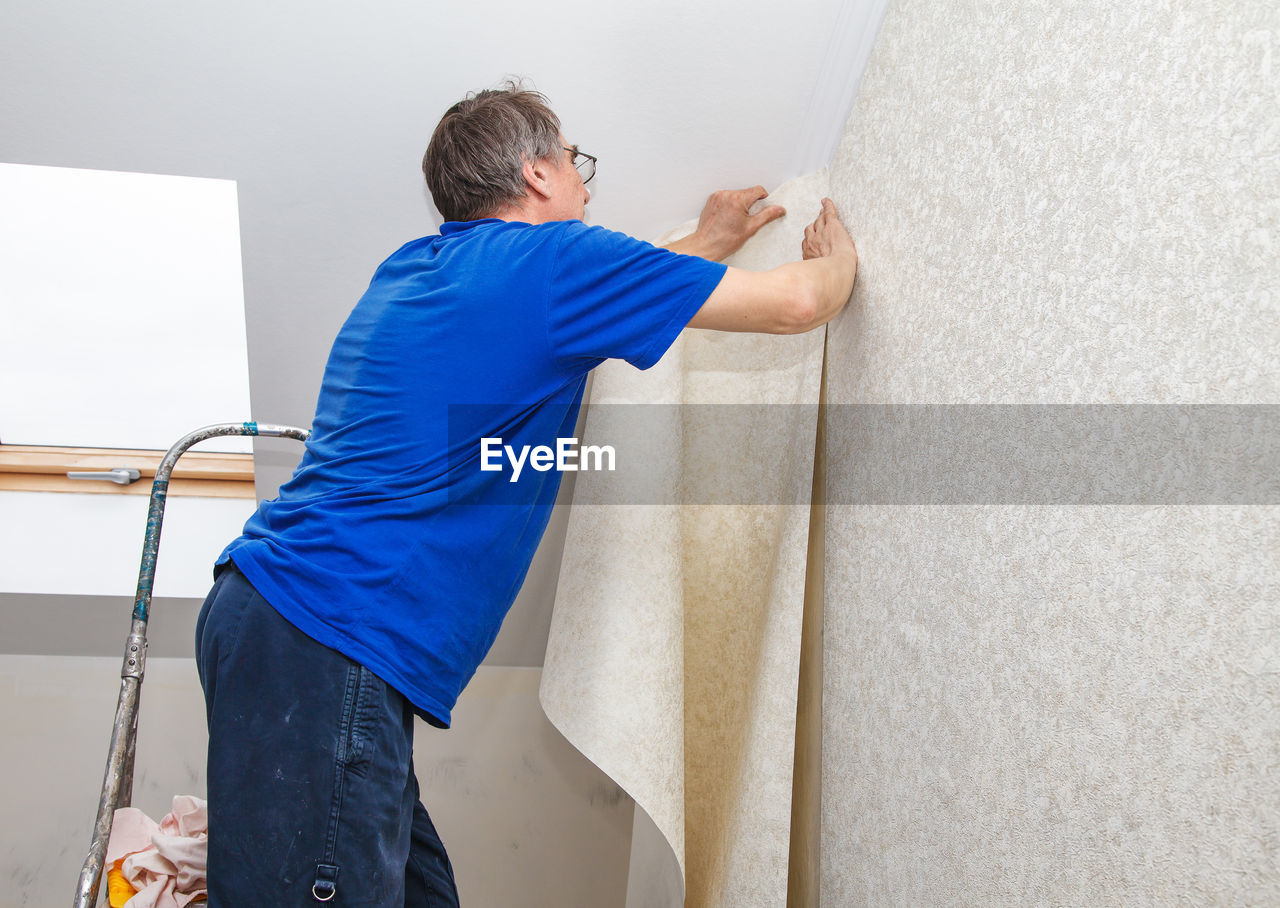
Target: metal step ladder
x=117 y=782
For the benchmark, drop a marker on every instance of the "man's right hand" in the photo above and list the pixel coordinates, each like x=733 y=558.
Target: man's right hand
x=827 y=236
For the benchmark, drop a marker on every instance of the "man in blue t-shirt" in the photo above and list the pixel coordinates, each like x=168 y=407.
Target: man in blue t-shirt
x=370 y=589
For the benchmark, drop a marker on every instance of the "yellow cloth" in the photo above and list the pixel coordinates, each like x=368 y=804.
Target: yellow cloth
x=118 y=889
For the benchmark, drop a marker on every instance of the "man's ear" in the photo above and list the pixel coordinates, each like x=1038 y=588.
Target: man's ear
x=536 y=177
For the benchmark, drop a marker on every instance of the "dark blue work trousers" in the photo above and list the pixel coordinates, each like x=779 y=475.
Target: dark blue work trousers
x=312 y=795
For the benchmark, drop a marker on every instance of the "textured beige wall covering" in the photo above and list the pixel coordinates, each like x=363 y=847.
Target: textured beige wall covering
x=1070 y=203
x=1065 y=203
x=674 y=650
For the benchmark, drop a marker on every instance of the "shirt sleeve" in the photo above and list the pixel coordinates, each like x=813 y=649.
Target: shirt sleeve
x=615 y=297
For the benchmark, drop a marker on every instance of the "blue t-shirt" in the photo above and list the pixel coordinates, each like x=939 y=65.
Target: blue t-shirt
x=390 y=544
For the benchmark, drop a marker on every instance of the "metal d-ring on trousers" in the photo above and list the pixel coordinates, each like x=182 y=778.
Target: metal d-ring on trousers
x=312 y=794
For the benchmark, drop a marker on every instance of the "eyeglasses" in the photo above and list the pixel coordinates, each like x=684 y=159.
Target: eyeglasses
x=584 y=163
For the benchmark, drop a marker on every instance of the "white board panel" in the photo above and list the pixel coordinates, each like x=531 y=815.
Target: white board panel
x=91 y=545
x=123 y=308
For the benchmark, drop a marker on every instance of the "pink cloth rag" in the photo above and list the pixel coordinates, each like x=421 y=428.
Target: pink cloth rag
x=165 y=862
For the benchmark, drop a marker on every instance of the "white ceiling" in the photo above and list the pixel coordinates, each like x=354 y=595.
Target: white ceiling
x=320 y=112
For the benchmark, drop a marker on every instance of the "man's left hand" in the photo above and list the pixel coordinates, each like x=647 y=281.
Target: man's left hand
x=726 y=223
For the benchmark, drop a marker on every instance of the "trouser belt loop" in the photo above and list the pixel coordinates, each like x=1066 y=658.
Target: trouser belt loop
x=326 y=884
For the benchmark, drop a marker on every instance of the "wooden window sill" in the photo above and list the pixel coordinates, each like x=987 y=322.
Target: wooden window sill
x=202 y=474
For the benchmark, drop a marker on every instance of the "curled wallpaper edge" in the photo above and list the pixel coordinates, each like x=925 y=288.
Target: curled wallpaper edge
x=804 y=863
x=663 y=610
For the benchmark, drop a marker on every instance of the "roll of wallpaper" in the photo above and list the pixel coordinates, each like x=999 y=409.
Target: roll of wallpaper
x=674 y=649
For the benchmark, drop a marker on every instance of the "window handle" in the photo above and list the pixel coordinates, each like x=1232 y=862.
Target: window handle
x=120 y=475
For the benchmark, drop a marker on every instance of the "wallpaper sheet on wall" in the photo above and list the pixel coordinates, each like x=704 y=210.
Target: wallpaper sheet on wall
x=1071 y=204
x=674 y=649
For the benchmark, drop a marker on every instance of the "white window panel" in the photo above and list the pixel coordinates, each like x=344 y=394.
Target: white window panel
x=123 y=308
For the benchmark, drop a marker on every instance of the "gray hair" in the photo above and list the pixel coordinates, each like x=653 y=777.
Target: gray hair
x=475 y=159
